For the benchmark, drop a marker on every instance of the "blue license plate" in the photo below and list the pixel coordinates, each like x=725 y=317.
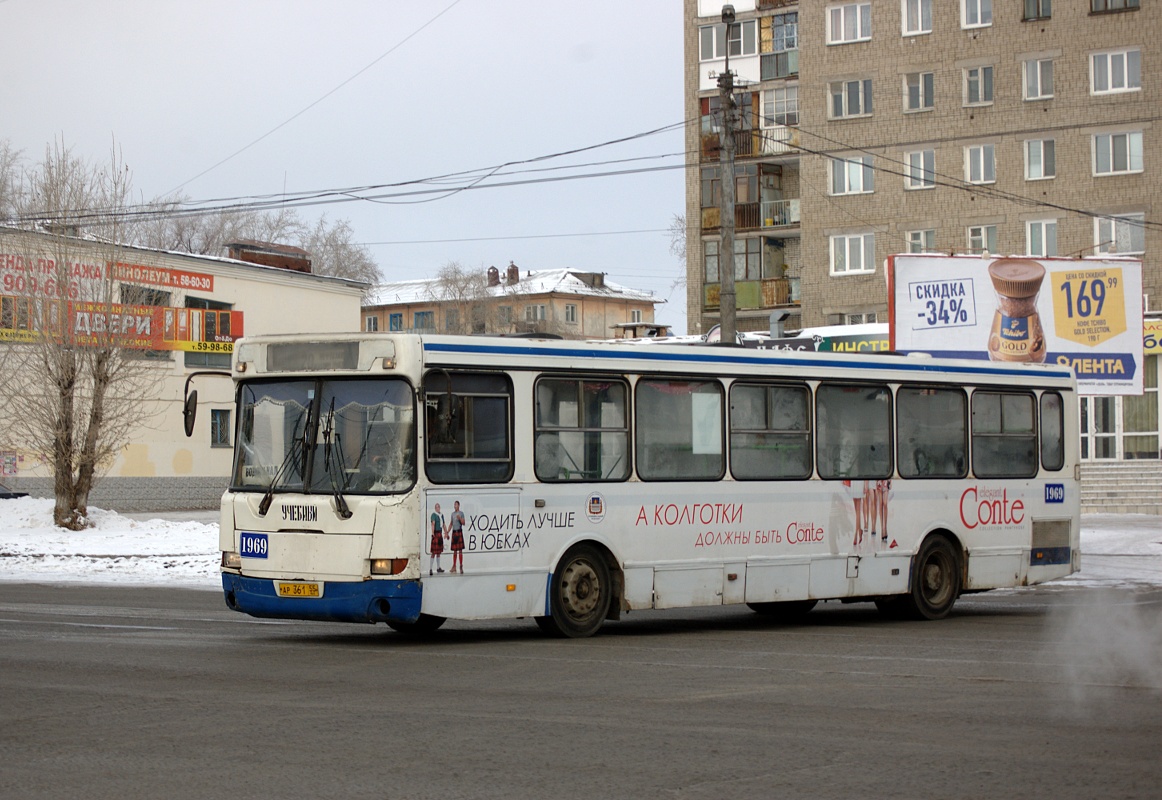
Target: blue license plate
x=253 y=545
x=1055 y=493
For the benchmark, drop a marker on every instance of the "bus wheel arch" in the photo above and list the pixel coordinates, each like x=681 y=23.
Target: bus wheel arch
x=586 y=589
x=937 y=577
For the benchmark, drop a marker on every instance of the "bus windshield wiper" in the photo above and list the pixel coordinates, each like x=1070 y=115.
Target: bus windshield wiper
x=331 y=463
x=297 y=442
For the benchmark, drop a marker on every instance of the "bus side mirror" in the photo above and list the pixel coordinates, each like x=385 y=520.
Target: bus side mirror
x=190 y=412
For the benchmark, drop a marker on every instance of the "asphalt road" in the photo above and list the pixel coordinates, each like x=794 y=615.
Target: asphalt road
x=123 y=693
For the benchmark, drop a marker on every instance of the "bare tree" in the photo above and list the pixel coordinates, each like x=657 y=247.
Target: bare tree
x=76 y=386
x=464 y=293
x=678 y=245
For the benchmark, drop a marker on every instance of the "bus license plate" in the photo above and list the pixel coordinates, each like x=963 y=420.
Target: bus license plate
x=287 y=589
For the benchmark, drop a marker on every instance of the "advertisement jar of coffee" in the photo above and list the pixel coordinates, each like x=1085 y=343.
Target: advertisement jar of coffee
x=1017 y=334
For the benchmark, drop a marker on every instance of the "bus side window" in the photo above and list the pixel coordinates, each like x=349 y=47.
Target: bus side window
x=678 y=431
x=467 y=427
x=770 y=432
x=854 y=431
x=931 y=432
x=1004 y=435
x=581 y=430
x=1052 y=431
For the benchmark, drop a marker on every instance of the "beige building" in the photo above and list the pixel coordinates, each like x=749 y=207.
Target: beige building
x=950 y=126
x=568 y=303
x=186 y=312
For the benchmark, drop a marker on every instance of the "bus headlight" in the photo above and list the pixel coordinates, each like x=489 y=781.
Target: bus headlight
x=231 y=560
x=388 y=566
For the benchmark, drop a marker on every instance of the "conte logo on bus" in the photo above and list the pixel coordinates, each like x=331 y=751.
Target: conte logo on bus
x=300 y=513
x=983 y=507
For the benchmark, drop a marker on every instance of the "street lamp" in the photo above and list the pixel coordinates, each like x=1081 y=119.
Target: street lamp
x=726 y=294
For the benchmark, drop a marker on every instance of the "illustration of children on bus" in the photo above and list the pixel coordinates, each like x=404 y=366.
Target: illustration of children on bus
x=456 y=521
x=438 y=537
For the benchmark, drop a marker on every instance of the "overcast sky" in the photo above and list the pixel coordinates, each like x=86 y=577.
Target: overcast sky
x=369 y=93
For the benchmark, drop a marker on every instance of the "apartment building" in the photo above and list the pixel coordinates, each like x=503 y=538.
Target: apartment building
x=951 y=126
x=572 y=304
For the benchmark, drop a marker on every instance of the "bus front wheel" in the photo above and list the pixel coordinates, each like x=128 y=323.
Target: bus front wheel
x=579 y=595
x=935 y=580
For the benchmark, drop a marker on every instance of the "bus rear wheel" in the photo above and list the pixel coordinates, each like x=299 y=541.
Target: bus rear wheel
x=579 y=595
x=935 y=580
x=426 y=624
x=786 y=611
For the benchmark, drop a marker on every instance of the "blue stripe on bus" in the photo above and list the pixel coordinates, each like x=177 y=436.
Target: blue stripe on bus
x=650 y=354
x=342 y=601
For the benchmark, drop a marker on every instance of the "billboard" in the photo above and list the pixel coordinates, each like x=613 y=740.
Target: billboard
x=1081 y=313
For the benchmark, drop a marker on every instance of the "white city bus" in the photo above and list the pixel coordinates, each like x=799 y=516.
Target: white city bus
x=407 y=479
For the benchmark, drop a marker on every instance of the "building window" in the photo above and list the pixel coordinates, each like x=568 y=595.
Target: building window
x=922 y=241
x=978 y=86
x=1115 y=71
x=535 y=313
x=713 y=42
x=921 y=169
x=424 y=320
x=710 y=259
x=207 y=326
x=1124 y=234
x=635 y=315
x=982 y=238
x=976 y=13
x=980 y=164
x=919 y=91
x=1040 y=159
x=571 y=312
x=1041 y=237
x=747 y=259
x=1039 y=79
x=1117 y=153
x=853 y=254
x=781 y=106
x=785 y=32
x=868 y=317
x=371 y=324
x=1038 y=9
x=504 y=315
x=1113 y=5
x=850 y=22
x=852 y=176
x=917 y=17
x=220 y=428
x=851 y=98
x=451 y=319
x=395 y=322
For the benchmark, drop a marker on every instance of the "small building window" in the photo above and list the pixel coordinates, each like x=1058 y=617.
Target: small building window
x=220 y=427
x=571 y=313
x=395 y=322
x=371 y=324
x=978 y=86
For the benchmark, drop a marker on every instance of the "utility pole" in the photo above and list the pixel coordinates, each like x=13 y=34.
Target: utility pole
x=726 y=295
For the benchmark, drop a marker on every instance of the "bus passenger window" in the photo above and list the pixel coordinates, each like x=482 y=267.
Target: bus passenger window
x=1004 y=439
x=931 y=432
x=679 y=430
x=467 y=427
x=1052 y=431
x=854 y=424
x=770 y=432
x=582 y=432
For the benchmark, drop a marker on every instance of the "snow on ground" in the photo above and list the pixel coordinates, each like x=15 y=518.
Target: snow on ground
x=181 y=549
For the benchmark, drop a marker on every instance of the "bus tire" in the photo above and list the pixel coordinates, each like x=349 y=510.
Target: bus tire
x=786 y=611
x=579 y=594
x=426 y=624
x=935 y=580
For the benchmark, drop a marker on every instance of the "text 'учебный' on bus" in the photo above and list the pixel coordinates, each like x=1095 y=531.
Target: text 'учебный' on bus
x=408 y=479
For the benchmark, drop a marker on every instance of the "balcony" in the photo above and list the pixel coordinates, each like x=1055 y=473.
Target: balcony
x=780 y=140
x=765 y=4
x=767 y=215
x=750 y=295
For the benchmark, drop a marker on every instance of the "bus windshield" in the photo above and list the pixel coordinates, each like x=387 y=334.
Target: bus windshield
x=325 y=436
